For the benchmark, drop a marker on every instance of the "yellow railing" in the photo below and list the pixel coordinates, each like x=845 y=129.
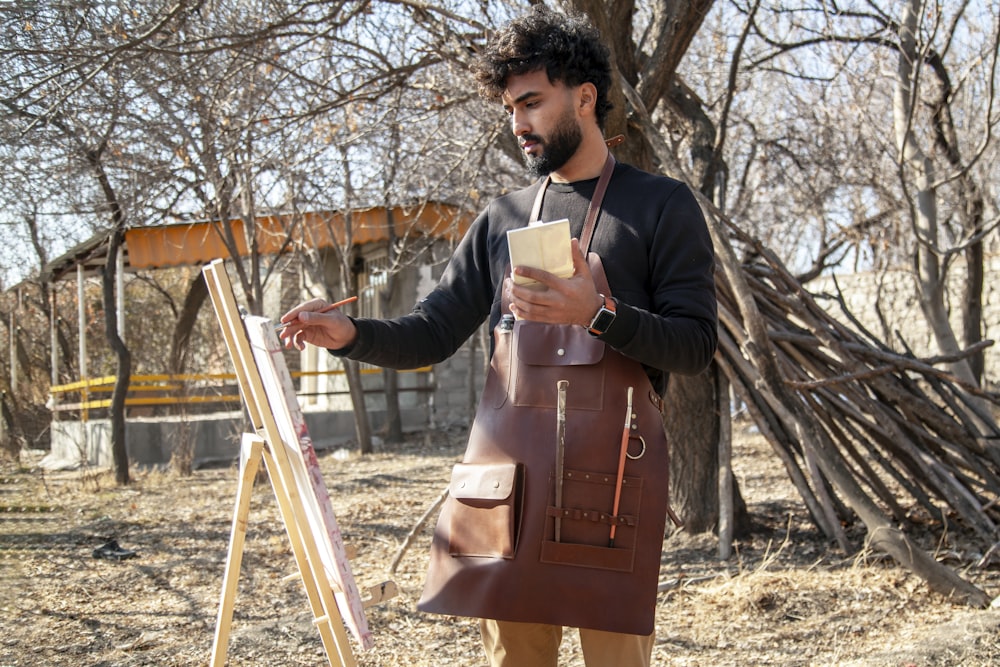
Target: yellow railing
x=166 y=390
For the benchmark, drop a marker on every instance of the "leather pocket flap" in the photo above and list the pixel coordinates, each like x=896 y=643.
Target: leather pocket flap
x=482 y=481
x=540 y=344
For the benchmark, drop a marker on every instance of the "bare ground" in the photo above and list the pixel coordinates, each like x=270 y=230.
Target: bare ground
x=785 y=598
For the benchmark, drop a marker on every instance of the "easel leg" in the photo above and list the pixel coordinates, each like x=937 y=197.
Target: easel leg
x=250 y=456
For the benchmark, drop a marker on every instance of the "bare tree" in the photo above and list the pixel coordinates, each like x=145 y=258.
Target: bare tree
x=88 y=145
x=916 y=197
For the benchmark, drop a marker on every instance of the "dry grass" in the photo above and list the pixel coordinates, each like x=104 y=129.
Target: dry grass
x=784 y=599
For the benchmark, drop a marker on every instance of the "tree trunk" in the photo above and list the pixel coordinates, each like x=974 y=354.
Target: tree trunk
x=65 y=352
x=181 y=339
x=727 y=483
x=356 y=389
x=690 y=418
x=393 y=415
x=362 y=427
x=119 y=450
x=923 y=205
x=390 y=377
x=348 y=278
x=123 y=376
x=692 y=425
x=972 y=306
x=182 y=454
x=8 y=429
x=970 y=212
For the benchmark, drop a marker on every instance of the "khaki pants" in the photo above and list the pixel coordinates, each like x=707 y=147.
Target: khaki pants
x=511 y=644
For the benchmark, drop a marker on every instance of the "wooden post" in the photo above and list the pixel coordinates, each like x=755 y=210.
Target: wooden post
x=725 y=411
x=12 y=328
x=54 y=336
x=120 y=290
x=81 y=316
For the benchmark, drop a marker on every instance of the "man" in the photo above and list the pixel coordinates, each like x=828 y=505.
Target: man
x=581 y=518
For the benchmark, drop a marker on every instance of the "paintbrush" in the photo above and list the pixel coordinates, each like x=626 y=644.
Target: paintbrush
x=325 y=309
x=622 y=453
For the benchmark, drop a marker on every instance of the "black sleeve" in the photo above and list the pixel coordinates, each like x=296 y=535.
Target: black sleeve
x=678 y=333
x=440 y=322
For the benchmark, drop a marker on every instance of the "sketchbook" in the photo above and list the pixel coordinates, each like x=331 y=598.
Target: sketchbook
x=542 y=245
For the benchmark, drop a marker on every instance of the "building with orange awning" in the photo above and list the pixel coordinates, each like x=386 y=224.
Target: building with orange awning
x=367 y=233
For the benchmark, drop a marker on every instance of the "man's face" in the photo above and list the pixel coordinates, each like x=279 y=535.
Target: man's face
x=544 y=120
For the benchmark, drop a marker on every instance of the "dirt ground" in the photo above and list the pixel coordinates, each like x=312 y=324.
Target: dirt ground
x=785 y=598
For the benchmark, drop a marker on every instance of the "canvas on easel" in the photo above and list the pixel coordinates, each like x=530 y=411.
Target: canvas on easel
x=282 y=441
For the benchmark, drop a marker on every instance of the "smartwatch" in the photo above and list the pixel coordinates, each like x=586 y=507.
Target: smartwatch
x=604 y=317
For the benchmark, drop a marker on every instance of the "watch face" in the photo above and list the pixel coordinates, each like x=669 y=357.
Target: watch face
x=603 y=320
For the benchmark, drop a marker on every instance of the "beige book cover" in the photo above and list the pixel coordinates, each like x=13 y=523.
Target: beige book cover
x=541 y=245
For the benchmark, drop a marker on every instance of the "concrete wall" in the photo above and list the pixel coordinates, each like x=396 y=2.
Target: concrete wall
x=216 y=437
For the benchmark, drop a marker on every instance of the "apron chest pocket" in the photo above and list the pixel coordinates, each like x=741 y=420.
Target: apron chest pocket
x=547 y=353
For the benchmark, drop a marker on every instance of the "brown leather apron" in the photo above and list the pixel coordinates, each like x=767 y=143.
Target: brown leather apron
x=495 y=552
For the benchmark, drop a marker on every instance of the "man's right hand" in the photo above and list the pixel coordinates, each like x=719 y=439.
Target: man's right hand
x=306 y=324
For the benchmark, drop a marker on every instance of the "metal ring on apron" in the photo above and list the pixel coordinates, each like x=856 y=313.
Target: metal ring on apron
x=642 y=451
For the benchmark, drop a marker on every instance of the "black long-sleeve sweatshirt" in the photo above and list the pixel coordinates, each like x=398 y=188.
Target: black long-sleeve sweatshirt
x=657 y=254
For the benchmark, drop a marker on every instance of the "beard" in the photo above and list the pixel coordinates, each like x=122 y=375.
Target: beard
x=557 y=149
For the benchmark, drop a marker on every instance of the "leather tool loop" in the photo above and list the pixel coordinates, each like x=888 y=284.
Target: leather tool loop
x=594 y=516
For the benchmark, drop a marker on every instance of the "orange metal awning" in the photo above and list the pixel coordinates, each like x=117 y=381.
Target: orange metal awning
x=180 y=245
x=196 y=243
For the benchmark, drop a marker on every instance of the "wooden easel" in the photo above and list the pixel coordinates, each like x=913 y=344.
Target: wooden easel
x=282 y=442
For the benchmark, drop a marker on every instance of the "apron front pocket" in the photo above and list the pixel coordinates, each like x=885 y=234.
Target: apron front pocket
x=486 y=509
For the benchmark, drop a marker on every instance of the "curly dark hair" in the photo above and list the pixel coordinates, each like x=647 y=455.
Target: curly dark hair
x=568 y=48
